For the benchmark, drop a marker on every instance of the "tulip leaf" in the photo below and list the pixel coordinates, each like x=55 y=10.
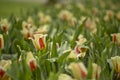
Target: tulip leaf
x=76 y=34
x=63 y=57
x=54 y=49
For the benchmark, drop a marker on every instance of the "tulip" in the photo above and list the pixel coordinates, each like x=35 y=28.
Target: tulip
x=4 y=65
x=28 y=29
x=2 y=72
x=65 y=15
x=27 y=34
x=96 y=71
x=64 y=77
x=116 y=63
x=4 y=25
x=109 y=15
x=78 y=69
x=72 y=55
x=81 y=51
x=1 y=41
x=91 y=25
x=30 y=21
x=81 y=40
x=42 y=29
x=116 y=38
x=39 y=41
x=31 y=61
x=72 y=21
x=44 y=18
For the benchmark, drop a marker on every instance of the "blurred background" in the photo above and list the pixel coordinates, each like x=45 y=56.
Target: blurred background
x=8 y=7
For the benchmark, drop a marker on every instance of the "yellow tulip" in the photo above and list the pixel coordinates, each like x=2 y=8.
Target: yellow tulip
x=4 y=65
x=72 y=55
x=116 y=63
x=1 y=41
x=4 y=24
x=116 y=38
x=96 y=71
x=31 y=61
x=81 y=40
x=90 y=24
x=39 y=41
x=64 y=77
x=65 y=15
x=79 y=70
x=81 y=51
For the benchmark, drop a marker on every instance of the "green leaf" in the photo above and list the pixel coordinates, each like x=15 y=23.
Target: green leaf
x=77 y=32
x=54 y=49
x=63 y=57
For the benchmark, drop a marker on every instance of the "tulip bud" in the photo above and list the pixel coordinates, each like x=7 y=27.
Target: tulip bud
x=1 y=41
x=4 y=25
x=96 y=71
x=39 y=41
x=78 y=69
x=31 y=61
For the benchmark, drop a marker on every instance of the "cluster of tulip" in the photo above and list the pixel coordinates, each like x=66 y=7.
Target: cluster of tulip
x=75 y=43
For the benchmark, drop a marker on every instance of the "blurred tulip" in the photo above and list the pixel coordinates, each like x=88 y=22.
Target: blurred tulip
x=1 y=41
x=78 y=69
x=96 y=71
x=30 y=20
x=5 y=25
x=4 y=65
x=27 y=34
x=116 y=38
x=43 y=19
x=28 y=28
x=39 y=41
x=31 y=61
x=72 y=55
x=72 y=21
x=109 y=15
x=91 y=25
x=81 y=40
x=64 y=77
x=42 y=29
x=65 y=15
x=2 y=72
x=81 y=51
x=116 y=63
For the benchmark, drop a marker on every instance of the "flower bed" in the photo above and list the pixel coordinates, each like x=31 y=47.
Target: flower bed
x=62 y=42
